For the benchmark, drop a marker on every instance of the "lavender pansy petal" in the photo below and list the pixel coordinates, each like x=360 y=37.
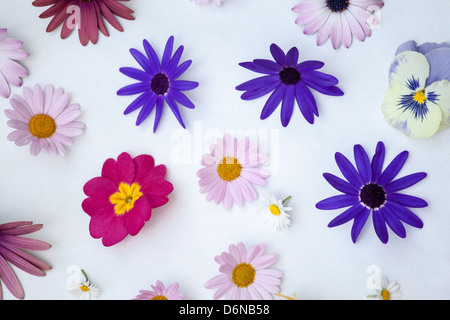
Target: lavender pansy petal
x=439 y=60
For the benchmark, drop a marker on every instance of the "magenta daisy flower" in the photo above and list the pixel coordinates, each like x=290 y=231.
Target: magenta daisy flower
x=87 y=16
x=231 y=170
x=160 y=292
x=44 y=120
x=123 y=198
x=11 y=250
x=245 y=275
x=11 y=73
x=339 y=20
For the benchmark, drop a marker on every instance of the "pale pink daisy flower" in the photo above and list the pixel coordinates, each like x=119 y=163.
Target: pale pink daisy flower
x=339 y=20
x=11 y=72
x=44 y=119
x=160 y=292
x=217 y=2
x=245 y=275
x=231 y=170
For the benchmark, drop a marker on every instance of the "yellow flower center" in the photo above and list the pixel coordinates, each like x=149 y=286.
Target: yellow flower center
x=385 y=294
x=274 y=210
x=229 y=169
x=84 y=288
x=243 y=275
x=42 y=126
x=125 y=198
x=420 y=97
x=159 y=298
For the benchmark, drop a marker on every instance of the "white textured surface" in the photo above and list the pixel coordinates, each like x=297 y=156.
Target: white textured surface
x=182 y=238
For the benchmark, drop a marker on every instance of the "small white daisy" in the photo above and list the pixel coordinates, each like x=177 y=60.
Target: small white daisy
x=388 y=291
x=275 y=213
x=84 y=290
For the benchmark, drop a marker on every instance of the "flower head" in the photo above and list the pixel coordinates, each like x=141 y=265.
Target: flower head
x=388 y=290
x=158 y=83
x=86 y=16
x=230 y=171
x=44 y=120
x=245 y=275
x=274 y=213
x=122 y=199
x=11 y=72
x=84 y=290
x=288 y=81
x=160 y=292
x=370 y=189
x=338 y=20
x=11 y=250
x=417 y=101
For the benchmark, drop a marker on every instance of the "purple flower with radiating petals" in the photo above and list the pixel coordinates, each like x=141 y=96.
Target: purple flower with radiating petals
x=158 y=83
x=370 y=189
x=288 y=81
x=11 y=246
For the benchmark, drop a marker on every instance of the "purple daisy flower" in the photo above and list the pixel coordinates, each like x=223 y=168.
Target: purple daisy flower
x=11 y=246
x=158 y=83
x=370 y=189
x=288 y=81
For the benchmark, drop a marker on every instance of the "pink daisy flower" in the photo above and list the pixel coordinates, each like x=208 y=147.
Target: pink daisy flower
x=230 y=171
x=245 y=275
x=11 y=246
x=10 y=71
x=160 y=292
x=340 y=20
x=217 y=2
x=122 y=199
x=44 y=120
x=84 y=15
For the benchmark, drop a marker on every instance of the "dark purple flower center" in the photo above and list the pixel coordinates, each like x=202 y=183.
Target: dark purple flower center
x=338 y=5
x=289 y=76
x=372 y=195
x=160 y=84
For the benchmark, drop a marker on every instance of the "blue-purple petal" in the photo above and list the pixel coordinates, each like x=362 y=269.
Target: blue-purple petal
x=259 y=92
x=337 y=202
x=405 y=215
x=167 y=54
x=132 y=89
x=320 y=78
x=358 y=224
x=182 y=99
x=287 y=106
x=256 y=83
x=363 y=163
x=152 y=57
x=138 y=102
x=380 y=226
x=173 y=63
x=405 y=182
x=347 y=215
x=268 y=65
x=393 y=168
x=143 y=61
x=340 y=184
x=136 y=74
x=406 y=200
x=327 y=90
x=180 y=69
x=183 y=85
x=146 y=109
x=310 y=65
x=273 y=102
x=393 y=221
x=377 y=162
x=292 y=57
x=306 y=102
x=256 y=68
x=174 y=107
x=348 y=170
x=278 y=54
x=159 y=110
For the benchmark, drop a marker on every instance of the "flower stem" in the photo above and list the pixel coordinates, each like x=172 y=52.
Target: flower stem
x=84 y=273
x=286 y=297
x=286 y=199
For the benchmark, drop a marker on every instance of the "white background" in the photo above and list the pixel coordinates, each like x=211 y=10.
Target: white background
x=182 y=238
